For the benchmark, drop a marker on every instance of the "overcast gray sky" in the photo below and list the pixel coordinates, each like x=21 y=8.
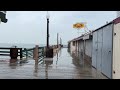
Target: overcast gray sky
x=30 y=26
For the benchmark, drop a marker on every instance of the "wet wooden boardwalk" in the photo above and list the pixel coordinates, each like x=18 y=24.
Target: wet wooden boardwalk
x=62 y=66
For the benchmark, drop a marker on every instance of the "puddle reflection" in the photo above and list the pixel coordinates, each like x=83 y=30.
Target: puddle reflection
x=57 y=59
x=78 y=59
x=36 y=69
x=13 y=63
x=47 y=66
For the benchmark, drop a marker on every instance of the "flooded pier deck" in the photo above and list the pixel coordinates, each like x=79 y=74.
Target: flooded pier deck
x=63 y=66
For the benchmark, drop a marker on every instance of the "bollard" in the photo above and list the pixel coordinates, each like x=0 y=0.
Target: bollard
x=49 y=52
x=36 y=53
x=14 y=53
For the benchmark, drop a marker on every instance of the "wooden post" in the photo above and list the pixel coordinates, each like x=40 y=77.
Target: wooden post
x=21 y=53
x=36 y=53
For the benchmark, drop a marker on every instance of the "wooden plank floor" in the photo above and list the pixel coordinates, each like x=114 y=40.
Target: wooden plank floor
x=63 y=66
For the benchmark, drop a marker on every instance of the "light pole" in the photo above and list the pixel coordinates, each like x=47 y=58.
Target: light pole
x=47 y=17
x=57 y=40
x=49 y=50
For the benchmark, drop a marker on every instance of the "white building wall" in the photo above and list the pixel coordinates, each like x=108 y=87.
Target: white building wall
x=72 y=48
x=118 y=13
x=116 y=52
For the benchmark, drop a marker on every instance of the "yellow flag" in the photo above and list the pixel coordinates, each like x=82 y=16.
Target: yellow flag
x=78 y=25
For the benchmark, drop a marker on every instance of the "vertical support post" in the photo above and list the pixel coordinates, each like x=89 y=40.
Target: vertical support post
x=84 y=52
x=47 y=33
x=26 y=53
x=36 y=54
x=57 y=40
x=43 y=51
x=84 y=46
x=21 y=53
x=0 y=20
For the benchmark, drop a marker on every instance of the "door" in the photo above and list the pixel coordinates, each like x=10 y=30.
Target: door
x=94 y=49
x=107 y=51
x=81 y=46
x=99 y=51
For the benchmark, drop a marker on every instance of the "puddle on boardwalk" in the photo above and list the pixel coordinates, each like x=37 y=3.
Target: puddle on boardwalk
x=62 y=66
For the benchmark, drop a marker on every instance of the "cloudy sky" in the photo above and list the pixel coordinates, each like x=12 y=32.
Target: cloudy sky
x=30 y=26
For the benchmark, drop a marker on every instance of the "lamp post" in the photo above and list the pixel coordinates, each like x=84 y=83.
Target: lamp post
x=47 y=17
x=57 y=40
x=49 y=50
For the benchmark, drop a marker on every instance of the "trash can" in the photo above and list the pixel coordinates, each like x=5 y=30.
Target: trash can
x=13 y=53
x=49 y=53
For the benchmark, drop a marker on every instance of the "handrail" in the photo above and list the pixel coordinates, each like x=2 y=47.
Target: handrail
x=23 y=52
x=7 y=48
x=29 y=52
x=6 y=51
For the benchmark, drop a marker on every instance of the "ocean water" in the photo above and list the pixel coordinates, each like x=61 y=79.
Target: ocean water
x=20 y=45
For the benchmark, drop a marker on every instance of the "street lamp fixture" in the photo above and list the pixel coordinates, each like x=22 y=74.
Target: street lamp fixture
x=3 y=17
x=47 y=15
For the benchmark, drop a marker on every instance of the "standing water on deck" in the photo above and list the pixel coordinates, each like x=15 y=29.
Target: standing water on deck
x=62 y=66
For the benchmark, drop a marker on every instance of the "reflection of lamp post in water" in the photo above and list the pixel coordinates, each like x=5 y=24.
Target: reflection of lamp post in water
x=57 y=58
x=48 y=63
x=60 y=52
x=46 y=71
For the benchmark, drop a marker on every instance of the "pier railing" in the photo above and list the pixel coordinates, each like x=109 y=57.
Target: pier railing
x=28 y=53
x=6 y=51
x=41 y=53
